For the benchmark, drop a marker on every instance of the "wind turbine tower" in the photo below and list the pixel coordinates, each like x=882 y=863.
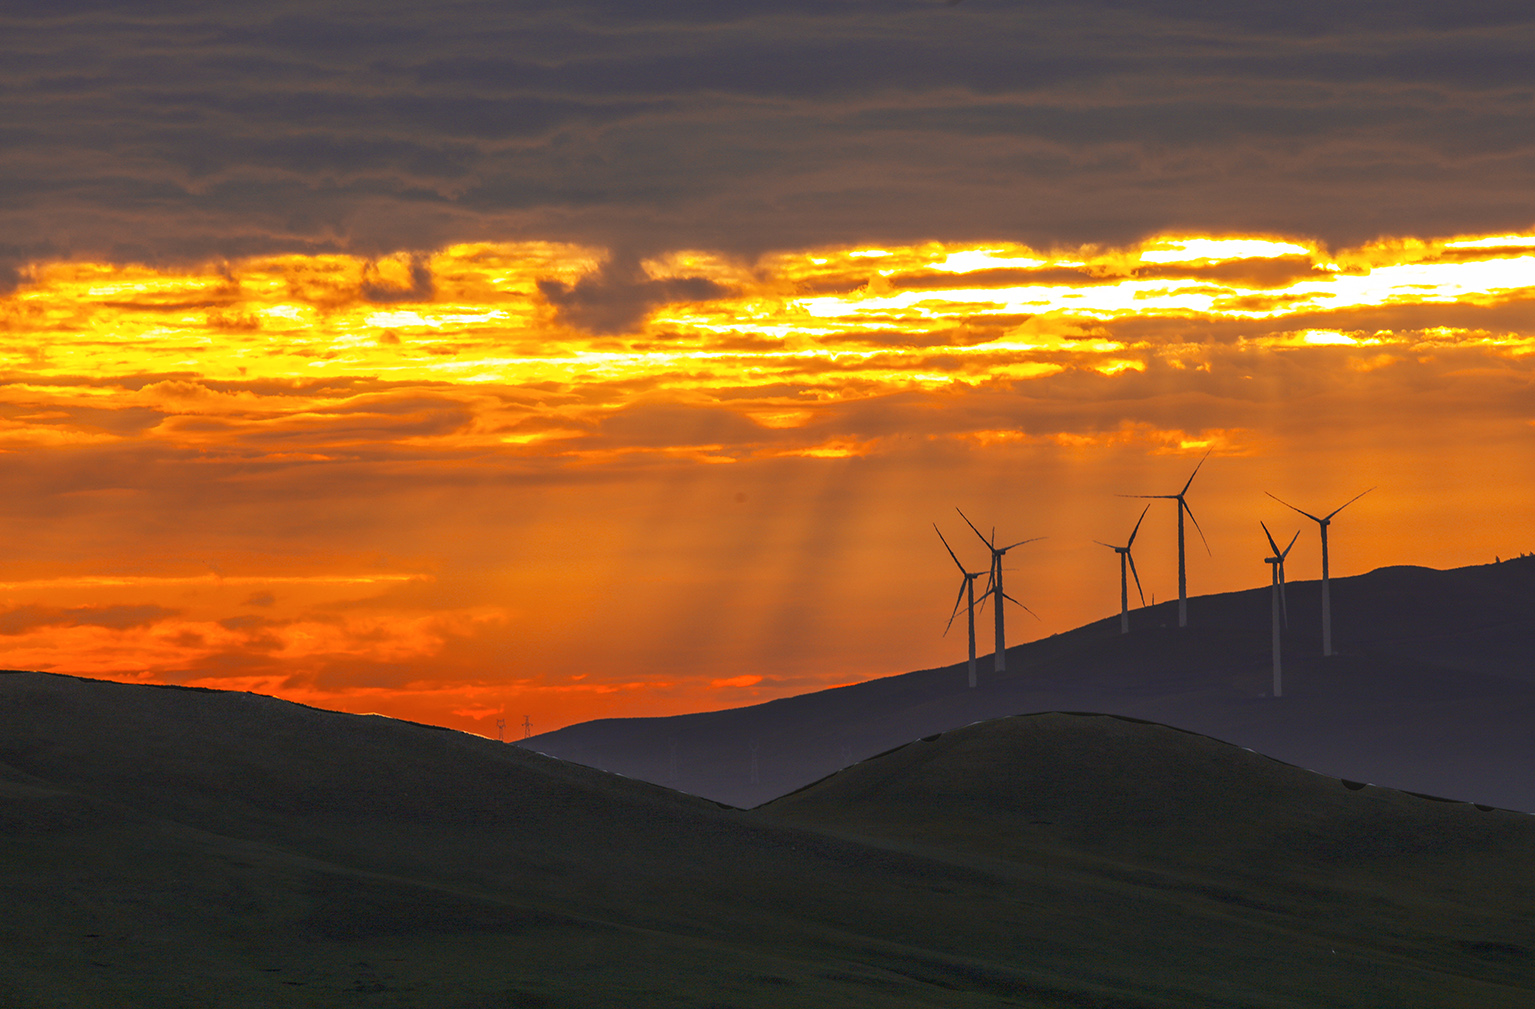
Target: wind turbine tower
x=1324 y=522
x=999 y=660
x=1183 y=506
x=967 y=589
x=1124 y=588
x=1279 y=604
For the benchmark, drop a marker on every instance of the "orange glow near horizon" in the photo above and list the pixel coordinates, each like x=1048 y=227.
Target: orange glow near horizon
x=415 y=485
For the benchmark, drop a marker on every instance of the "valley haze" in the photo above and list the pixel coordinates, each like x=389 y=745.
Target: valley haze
x=1431 y=690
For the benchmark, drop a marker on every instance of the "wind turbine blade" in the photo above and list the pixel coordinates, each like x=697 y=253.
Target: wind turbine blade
x=1192 y=475
x=1021 y=543
x=963 y=583
x=1290 y=547
x=948 y=548
x=1017 y=603
x=1295 y=509
x=1158 y=497
x=1272 y=545
x=1132 y=531
x=1131 y=558
x=1350 y=501
x=1202 y=539
x=1109 y=545
x=974 y=529
x=980 y=601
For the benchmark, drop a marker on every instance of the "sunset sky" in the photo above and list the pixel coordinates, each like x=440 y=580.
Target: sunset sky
x=485 y=361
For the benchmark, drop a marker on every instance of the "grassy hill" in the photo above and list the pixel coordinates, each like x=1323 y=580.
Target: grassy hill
x=168 y=847
x=1432 y=690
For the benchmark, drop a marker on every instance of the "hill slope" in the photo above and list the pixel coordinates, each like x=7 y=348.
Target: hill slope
x=1433 y=690
x=168 y=848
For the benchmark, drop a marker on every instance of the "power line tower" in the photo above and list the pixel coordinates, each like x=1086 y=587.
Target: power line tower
x=500 y=730
x=527 y=727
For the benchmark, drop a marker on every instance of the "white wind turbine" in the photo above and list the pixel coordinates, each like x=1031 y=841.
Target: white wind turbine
x=967 y=589
x=999 y=660
x=1124 y=587
x=1183 y=506
x=1324 y=522
x=1277 y=561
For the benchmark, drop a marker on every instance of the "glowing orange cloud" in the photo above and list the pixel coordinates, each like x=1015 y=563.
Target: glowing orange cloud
x=414 y=485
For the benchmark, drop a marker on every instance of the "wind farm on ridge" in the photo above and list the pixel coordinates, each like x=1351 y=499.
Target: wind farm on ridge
x=1281 y=619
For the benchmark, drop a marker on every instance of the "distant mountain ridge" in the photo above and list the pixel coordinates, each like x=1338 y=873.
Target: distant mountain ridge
x=1432 y=690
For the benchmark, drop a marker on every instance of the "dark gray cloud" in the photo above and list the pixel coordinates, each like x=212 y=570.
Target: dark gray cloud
x=619 y=295
x=160 y=131
x=26 y=618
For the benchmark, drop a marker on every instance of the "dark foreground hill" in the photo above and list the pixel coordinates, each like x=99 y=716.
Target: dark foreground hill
x=173 y=848
x=1432 y=689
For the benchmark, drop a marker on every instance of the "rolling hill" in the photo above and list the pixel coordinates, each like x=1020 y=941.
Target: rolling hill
x=1432 y=690
x=173 y=848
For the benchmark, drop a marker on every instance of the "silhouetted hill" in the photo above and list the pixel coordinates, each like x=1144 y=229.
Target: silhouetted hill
x=172 y=848
x=1129 y=791
x=1432 y=690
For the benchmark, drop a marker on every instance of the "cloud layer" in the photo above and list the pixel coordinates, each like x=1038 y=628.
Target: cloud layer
x=162 y=131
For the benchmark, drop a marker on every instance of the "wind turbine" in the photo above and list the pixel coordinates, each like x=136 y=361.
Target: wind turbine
x=999 y=661
x=1324 y=522
x=1183 y=506
x=1278 y=592
x=1124 y=588
x=967 y=589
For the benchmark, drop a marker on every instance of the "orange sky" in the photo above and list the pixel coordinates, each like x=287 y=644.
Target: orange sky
x=462 y=486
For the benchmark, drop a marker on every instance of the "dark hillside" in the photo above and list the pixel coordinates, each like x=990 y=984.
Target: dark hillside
x=173 y=848
x=1138 y=792
x=1192 y=816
